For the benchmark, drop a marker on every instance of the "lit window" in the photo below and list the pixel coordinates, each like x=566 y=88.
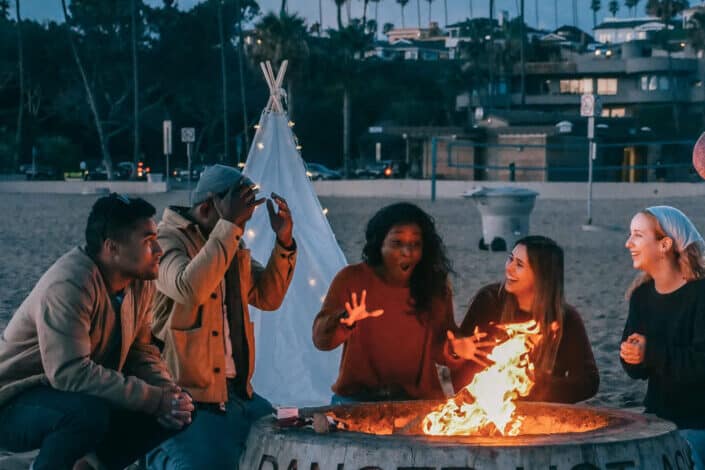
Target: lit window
x=644 y=83
x=607 y=86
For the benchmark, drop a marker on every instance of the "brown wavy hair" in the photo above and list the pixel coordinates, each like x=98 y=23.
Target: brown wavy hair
x=546 y=263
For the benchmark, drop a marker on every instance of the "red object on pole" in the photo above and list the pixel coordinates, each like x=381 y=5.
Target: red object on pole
x=699 y=156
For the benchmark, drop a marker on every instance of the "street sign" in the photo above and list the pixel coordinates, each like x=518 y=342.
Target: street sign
x=590 y=105
x=188 y=135
x=167 y=137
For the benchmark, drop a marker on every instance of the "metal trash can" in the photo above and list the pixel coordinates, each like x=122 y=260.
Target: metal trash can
x=505 y=215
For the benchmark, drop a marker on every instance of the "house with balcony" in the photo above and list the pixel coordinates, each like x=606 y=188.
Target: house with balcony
x=621 y=30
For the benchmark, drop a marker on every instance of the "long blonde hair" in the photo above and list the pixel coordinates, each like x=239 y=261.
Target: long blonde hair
x=548 y=308
x=690 y=260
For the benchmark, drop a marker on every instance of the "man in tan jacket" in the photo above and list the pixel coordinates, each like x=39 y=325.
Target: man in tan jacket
x=78 y=374
x=206 y=281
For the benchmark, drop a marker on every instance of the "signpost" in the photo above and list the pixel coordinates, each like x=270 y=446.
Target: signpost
x=590 y=106
x=188 y=136
x=166 y=131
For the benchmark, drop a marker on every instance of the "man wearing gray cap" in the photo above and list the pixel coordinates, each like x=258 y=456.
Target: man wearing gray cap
x=206 y=281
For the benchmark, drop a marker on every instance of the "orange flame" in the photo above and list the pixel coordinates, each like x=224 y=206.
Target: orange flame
x=493 y=391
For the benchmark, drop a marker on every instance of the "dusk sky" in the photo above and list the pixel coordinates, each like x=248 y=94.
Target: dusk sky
x=389 y=10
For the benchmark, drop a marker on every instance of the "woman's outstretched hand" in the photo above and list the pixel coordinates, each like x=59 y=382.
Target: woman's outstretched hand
x=357 y=311
x=471 y=348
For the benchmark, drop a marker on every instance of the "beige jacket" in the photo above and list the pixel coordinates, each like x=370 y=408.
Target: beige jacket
x=59 y=337
x=188 y=311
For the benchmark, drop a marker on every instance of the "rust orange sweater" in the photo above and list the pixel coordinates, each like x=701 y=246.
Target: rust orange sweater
x=394 y=353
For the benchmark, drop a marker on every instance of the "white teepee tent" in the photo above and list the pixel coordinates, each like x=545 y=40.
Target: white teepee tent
x=289 y=369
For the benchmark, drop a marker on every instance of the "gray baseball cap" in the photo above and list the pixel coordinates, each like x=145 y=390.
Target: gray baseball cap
x=216 y=179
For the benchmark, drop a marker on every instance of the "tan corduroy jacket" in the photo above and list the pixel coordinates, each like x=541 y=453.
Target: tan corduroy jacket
x=188 y=309
x=60 y=336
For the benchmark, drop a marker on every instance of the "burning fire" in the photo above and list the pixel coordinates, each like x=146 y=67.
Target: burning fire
x=489 y=398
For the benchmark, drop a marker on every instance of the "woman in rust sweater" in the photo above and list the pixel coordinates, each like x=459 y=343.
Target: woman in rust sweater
x=392 y=312
x=565 y=369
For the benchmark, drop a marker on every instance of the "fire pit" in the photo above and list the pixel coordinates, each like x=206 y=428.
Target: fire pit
x=384 y=436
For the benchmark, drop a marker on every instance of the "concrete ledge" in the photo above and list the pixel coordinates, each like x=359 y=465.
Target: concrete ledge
x=421 y=189
x=82 y=187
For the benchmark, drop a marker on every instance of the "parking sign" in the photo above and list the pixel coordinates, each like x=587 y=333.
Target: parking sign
x=188 y=135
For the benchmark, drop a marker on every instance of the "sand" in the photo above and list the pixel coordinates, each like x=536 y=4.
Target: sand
x=37 y=229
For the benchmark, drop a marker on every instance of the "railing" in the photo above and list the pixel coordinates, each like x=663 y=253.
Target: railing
x=684 y=167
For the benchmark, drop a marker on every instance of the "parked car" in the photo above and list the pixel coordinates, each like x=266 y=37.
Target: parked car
x=181 y=174
x=381 y=169
x=317 y=171
x=95 y=171
x=130 y=171
x=38 y=172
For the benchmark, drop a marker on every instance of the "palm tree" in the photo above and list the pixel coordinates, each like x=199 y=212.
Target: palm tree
x=631 y=4
x=105 y=153
x=536 y=12
x=20 y=70
x=364 y=12
x=134 y=13
x=349 y=44
x=430 y=3
x=376 y=2
x=666 y=10
x=418 y=11
x=320 y=17
x=470 y=9
x=387 y=27
x=445 y=11
x=555 y=13
x=595 y=6
x=613 y=7
x=240 y=12
x=224 y=76
x=575 y=13
x=402 y=4
x=339 y=6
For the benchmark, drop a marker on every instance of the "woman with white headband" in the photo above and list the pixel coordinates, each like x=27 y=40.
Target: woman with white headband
x=664 y=338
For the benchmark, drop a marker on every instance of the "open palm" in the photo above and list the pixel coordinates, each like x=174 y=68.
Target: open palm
x=358 y=310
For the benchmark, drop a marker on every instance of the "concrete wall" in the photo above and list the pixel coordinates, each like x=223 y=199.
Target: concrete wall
x=82 y=187
x=421 y=189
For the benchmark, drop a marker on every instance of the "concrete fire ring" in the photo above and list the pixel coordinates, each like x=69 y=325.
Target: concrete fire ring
x=628 y=441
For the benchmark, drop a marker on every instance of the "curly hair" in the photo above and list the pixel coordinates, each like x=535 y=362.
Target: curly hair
x=430 y=276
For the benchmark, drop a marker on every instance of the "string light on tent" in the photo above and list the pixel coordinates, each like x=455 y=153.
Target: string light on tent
x=325 y=211
x=260 y=145
x=256 y=126
x=312 y=282
x=250 y=234
x=299 y=147
x=291 y=124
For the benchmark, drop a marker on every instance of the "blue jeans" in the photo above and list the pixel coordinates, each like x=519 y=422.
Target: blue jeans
x=696 y=440
x=214 y=439
x=65 y=426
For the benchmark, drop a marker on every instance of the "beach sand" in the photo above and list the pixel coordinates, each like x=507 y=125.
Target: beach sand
x=37 y=229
